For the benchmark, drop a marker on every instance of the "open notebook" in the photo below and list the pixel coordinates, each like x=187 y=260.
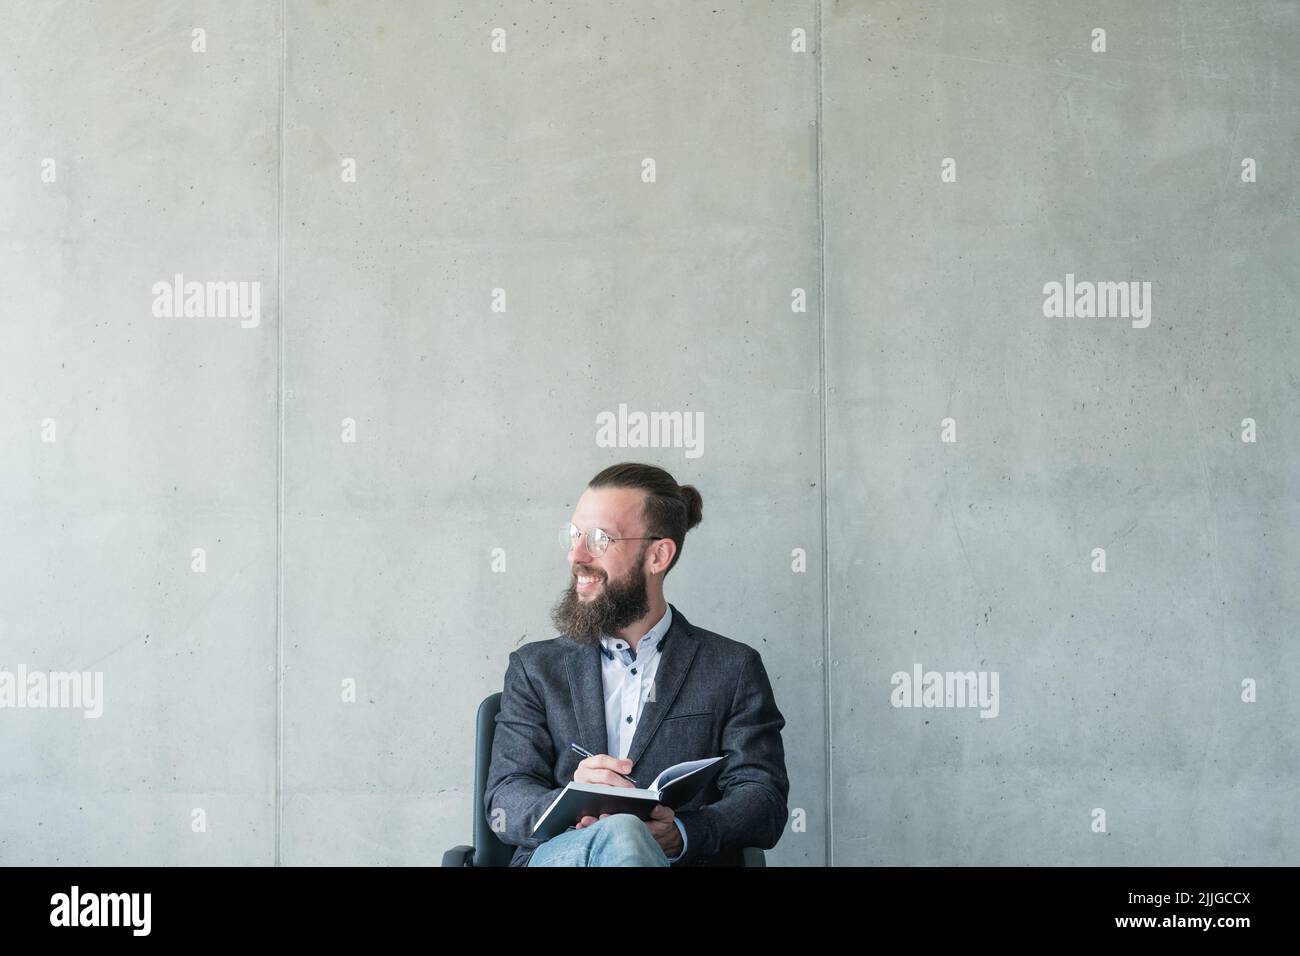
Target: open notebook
x=675 y=786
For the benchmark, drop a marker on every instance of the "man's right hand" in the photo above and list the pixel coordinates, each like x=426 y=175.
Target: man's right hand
x=600 y=768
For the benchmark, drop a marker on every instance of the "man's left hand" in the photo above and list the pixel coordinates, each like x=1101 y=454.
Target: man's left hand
x=664 y=830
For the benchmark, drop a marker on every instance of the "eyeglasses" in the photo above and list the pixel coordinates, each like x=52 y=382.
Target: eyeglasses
x=597 y=540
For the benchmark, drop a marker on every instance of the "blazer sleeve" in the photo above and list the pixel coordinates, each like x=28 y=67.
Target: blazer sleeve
x=753 y=808
x=521 y=776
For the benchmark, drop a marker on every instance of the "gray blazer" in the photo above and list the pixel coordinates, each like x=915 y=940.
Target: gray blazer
x=712 y=696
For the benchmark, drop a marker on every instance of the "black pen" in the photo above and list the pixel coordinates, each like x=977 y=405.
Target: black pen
x=578 y=750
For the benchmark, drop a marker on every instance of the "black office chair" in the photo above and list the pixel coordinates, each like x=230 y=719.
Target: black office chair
x=488 y=850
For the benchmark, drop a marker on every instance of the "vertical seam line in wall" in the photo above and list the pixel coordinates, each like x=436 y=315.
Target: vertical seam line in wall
x=279 y=439
x=821 y=375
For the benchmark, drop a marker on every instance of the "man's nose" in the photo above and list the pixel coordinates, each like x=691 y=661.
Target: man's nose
x=579 y=554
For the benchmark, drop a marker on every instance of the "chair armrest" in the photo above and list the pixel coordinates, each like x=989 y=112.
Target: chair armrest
x=459 y=856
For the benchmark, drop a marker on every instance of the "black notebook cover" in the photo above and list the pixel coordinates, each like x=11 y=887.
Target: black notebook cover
x=592 y=799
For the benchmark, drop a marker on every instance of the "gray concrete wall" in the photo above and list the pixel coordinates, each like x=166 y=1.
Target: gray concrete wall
x=374 y=465
x=1120 y=691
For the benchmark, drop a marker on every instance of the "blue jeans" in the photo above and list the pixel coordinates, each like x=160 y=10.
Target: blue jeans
x=621 y=839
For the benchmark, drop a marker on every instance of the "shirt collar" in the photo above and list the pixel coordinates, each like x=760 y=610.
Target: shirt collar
x=654 y=638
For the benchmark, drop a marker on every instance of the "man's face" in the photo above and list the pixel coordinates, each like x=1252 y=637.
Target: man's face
x=615 y=595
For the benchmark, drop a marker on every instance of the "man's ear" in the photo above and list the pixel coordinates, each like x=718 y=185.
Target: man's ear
x=666 y=548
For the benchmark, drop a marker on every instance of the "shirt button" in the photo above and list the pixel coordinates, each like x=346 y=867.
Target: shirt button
x=634 y=670
x=629 y=718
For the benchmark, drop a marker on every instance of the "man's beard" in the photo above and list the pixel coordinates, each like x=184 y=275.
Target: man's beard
x=614 y=607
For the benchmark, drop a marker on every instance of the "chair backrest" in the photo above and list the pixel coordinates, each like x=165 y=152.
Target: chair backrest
x=488 y=849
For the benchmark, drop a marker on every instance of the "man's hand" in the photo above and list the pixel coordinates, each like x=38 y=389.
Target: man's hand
x=664 y=830
x=601 y=768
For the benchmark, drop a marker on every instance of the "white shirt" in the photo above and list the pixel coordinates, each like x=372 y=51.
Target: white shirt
x=628 y=679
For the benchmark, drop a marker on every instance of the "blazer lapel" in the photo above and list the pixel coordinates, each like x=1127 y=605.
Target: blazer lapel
x=678 y=653
x=588 y=690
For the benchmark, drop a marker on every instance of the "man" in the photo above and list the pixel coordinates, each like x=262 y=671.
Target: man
x=639 y=687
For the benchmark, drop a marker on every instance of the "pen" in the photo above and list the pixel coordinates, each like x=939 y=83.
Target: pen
x=578 y=750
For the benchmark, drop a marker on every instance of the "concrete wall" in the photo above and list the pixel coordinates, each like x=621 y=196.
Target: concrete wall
x=1119 y=691
x=375 y=463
